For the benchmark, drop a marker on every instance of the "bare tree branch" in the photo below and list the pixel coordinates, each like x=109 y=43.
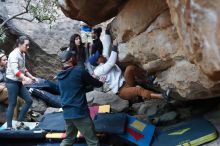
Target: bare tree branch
x=22 y=18
x=28 y=3
x=19 y=14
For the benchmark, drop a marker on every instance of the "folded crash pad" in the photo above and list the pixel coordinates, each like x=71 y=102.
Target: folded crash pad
x=52 y=122
x=190 y=133
x=110 y=122
x=138 y=132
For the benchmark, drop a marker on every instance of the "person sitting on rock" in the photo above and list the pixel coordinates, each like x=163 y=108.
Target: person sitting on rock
x=108 y=72
x=3 y=89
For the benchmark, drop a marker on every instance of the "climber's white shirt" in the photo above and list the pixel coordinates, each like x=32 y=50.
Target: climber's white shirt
x=110 y=73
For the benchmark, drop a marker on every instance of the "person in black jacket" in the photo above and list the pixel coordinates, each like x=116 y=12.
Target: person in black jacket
x=97 y=43
x=72 y=81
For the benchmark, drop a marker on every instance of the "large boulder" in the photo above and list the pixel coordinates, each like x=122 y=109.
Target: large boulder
x=91 y=11
x=158 y=49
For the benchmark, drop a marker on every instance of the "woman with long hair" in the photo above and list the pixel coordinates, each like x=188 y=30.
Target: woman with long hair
x=16 y=76
x=77 y=46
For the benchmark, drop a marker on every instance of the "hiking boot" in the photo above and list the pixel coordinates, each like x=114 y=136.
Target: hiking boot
x=166 y=95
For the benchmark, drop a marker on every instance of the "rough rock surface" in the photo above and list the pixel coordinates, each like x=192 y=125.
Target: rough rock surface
x=162 y=46
x=38 y=105
x=132 y=19
x=116 y=103
x=91 y=11
x=197 y=23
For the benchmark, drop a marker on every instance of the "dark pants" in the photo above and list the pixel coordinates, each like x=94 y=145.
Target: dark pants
x=16 y=89
x=86 y=128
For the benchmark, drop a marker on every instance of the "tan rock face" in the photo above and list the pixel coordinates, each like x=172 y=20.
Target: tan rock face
x=133 y=19
x=91 y=11
x=197 y=23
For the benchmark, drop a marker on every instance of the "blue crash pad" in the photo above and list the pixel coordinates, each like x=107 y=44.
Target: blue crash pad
x=138 y=132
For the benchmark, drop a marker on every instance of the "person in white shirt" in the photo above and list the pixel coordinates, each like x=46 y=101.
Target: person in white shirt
x=16 y=76
x=108 y=72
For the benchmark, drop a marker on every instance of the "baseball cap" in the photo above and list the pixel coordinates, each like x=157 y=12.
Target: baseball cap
x=66 y=55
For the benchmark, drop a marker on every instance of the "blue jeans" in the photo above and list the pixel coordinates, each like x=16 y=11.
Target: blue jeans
x=45 y=85
x=51 y=99
x=16 y=89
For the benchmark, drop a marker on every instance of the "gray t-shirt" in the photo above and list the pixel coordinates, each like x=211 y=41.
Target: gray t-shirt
x=16 y=65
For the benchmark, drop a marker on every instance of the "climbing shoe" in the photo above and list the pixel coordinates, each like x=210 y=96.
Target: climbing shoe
x=166 y=95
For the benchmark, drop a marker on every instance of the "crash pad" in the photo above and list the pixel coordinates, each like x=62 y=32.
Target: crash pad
x=110 y=122
x=33 y=133
x=138 y=132
x=193 y=132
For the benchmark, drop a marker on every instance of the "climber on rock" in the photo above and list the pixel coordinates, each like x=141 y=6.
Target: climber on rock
x=123 y=85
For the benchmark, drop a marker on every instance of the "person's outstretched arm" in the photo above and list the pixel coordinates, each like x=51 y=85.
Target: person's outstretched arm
x=105 y=68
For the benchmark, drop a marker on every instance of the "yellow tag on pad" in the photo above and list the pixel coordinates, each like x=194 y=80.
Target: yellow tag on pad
x=138 y=125
x=104 y=109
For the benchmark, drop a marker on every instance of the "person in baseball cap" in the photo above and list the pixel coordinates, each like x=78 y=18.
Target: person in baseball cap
x=73 y=81
x=66 y=55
